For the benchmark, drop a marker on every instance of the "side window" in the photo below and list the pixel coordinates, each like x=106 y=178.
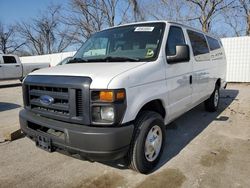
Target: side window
x=199 y=45
x=9 y=59
x=175 y=37
x=213 y=43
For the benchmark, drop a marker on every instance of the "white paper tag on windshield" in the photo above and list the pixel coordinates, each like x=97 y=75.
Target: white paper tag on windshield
x=144 y=29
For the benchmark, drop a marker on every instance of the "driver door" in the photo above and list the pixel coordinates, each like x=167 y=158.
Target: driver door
x=178 y=75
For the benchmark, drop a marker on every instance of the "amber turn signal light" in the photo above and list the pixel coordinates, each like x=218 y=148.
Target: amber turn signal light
x=120 y=95
x=106 y=96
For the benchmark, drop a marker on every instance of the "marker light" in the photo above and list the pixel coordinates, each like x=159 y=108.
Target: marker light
x=108 y=95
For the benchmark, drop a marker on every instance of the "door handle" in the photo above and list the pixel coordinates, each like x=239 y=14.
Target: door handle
x=190 y=79
x=17 y=65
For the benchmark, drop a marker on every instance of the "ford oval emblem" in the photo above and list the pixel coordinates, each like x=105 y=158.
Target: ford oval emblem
x=46 y=100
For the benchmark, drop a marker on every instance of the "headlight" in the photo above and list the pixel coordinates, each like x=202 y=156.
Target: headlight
x=107 y=106
x=107 y=113
x=103 y=114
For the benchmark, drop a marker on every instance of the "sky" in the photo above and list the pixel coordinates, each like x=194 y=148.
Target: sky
x=12 y=11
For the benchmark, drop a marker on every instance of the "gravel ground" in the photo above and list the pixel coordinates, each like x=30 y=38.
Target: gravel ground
x=202 y=150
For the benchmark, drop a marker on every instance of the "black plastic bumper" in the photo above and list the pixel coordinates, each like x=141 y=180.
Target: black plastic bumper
x=97 y=143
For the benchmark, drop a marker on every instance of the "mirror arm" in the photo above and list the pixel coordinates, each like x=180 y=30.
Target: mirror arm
x=171 y=58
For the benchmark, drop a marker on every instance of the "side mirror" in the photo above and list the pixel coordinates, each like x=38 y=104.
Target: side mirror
x=182 y=54
x=70 y=58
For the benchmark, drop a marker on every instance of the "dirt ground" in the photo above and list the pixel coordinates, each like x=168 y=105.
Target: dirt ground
x=202 y=150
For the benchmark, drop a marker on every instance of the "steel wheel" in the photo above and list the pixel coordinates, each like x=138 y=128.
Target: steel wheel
x=153 y=143
x=216 y=98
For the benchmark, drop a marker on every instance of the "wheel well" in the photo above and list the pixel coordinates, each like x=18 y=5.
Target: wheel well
x=218 y=82
x=156 y=106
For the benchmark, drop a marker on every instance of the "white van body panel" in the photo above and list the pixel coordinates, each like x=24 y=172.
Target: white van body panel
x=100 y=73
x=177 y=81
x=156 y=80
x=147 y=83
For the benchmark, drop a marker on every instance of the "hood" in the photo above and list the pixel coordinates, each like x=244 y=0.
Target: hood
x=100 y=73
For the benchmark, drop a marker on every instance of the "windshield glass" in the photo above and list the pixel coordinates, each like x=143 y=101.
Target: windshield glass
x=140 y=42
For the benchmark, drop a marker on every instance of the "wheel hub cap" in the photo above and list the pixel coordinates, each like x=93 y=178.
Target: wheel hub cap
x=216 y=98
x=153 y=143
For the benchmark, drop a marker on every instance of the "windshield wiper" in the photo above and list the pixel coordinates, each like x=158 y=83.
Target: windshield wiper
x=77 y=60
x=114 y=59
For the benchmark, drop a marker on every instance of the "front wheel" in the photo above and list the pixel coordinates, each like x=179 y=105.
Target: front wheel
x=212 y=103
x=148 y=142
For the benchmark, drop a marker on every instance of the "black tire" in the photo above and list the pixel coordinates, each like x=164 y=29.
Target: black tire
x=210 y=104
x=145 y=122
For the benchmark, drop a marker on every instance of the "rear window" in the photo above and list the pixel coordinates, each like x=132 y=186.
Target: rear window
x=9 y=59
x=199 y=45
x=213 y=43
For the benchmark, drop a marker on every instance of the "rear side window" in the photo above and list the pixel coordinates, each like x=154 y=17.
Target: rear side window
x=9 y=59
x=199 y=45
x=175 y=37
x=213 y=43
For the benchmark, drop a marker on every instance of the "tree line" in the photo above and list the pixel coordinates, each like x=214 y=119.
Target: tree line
x=60 y=28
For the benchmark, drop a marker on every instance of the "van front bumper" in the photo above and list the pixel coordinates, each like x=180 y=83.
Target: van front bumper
x=95 y=143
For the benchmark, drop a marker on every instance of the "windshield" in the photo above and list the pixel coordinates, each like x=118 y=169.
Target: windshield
x=131 y=43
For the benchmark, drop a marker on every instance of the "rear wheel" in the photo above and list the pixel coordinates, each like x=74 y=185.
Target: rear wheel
x=148 y=142
x=211 y=104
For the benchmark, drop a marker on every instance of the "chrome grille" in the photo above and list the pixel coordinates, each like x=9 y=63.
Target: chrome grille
x=79 y=103
x=70 y=96
x=60 y=105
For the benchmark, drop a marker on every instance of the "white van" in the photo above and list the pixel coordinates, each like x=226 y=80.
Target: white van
x=114 y=97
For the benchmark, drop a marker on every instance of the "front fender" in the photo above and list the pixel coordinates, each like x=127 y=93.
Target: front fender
x=138 y=96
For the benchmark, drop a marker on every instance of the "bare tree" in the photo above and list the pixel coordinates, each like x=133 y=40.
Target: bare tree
x=234 y=24
x=137 y=12
x=109 y=10
x=45 y=34
x=208 y=9
x=8 y=39
x=245 y=6
x=238 y=18
x=234 y=21
x=85 y=17
x=169 y=10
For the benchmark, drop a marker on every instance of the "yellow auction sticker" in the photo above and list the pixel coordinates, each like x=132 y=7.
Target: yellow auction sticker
x=150 y=53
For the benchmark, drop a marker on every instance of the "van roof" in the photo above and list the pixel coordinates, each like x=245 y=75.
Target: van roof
x=189 y=27
x=164 y=21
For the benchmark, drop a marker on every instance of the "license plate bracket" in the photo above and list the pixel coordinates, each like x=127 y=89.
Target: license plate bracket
x=44 y=143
